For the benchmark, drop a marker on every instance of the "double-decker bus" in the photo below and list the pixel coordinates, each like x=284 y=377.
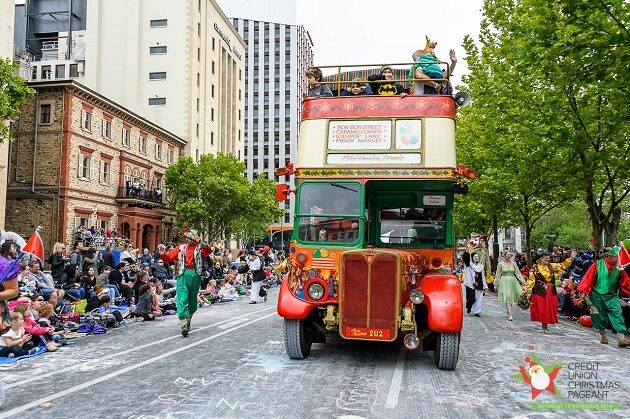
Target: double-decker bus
x=372 y=248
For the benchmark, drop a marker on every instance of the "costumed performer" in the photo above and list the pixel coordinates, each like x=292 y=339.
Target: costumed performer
x=475 y=283
x=188 y=260
x=601 y=284
x=508 y=281
x=541 y=285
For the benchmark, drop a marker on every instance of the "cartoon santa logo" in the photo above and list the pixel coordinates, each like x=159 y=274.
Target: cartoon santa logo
x=540 y=377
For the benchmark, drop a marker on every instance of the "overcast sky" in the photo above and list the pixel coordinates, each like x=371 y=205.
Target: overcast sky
x=370 y=31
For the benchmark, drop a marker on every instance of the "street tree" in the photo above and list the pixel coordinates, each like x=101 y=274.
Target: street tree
x=214 y=196
x=556 y=79
x=13 y=93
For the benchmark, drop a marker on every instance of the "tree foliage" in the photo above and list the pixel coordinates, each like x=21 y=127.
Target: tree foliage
x=214 y=196
x=549 y=80
x=13 y=93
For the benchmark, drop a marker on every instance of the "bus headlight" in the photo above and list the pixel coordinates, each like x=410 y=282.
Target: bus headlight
x=416 y=296
x=315 y=291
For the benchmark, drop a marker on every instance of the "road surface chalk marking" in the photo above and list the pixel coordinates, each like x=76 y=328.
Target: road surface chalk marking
x=38 y=377
x=232 y=323
x=90 y=383
x=394 y=388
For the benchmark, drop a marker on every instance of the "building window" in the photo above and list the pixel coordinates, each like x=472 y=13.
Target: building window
x=239 y=114
x=158 y=75
x=240 y=75
x=157 y=101
x=212 y=114
x=74 y=71
x=212 y=138
x=34 y=73
x=239 y=94
x=199 y=29
x=126 y=137
x=143 y=145
x=198 y=104
x=197 y=131
x=60 y=71
x=171 y=156
x=158 y=151
x=46 y=72
x=213 y=90
x=213 y=67
x=106 y=130
x=105 y=172
x=86 y=120
x=85 y=164
x=162 y=49
x=198 y=79
x=198 y=54
x=159 y=23
x=44 y=113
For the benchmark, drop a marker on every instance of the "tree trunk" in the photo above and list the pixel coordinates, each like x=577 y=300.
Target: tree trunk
x=612 y=226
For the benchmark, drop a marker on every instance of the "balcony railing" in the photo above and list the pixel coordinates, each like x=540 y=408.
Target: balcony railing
x=141 y=195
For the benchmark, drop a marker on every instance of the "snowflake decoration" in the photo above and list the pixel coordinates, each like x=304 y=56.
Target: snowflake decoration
x=324 y=108
x=421 y=105
x=397 y=105
x=348 y=105
x=372 y=105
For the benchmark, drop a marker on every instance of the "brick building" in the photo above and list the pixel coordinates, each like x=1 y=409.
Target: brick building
x=79 y=158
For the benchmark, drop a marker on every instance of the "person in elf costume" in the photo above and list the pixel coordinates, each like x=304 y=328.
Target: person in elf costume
x=601 y=284
x=188 y=260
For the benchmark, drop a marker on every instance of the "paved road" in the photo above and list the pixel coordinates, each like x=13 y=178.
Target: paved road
x=233 y=365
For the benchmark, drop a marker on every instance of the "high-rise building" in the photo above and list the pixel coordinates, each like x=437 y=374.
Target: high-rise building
x=6 y=40
x=179 y=63
x=276 y=61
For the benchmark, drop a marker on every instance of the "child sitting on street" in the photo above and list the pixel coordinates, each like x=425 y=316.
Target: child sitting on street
x=228 y=292
x=143 y=308
x=16 y=342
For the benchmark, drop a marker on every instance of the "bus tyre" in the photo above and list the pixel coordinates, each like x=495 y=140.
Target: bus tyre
x=447 y=351
x=296 y=339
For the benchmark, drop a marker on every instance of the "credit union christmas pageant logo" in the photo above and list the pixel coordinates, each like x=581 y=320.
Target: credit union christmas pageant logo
x=586 y=388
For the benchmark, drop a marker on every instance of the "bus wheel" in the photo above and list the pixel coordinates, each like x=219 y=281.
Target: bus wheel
x=297 y=340
x=446 y=351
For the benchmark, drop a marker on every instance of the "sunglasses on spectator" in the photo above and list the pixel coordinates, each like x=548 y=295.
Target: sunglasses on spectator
x=40 y=299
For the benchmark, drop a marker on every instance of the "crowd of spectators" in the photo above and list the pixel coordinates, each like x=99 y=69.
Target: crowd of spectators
x=107 y=288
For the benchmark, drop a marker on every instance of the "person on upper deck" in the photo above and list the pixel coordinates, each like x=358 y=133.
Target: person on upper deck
x=315 y=89
x=382 y=85
x=426 y=67
x=357 y=88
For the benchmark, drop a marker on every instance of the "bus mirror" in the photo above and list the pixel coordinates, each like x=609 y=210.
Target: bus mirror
x=461 y=188
x=462 y=99
x=286 y=171
x=282 y=192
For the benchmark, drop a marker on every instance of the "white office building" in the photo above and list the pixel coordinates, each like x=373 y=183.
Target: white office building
x=178 y=63
x=276 y=61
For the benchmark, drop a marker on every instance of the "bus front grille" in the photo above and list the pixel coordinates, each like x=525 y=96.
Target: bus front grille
x=369 y=296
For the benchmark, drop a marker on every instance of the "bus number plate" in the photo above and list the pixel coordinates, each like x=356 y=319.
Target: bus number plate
x=367 y=333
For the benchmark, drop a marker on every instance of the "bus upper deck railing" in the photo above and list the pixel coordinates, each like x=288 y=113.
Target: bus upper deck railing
x=346 y=76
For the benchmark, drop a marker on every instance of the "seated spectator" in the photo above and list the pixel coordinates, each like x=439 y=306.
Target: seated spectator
x=146 y=257
x=26 y=283
x=127 y=256
x=94 y=301
x=57 y=260
x=45 y=283
x=40 y=335
x=315 y=89
x=228 y=292
x=15 y=341
x=217 y=273
x=159 y=271
x=143 y=308
x=70 y=283
x=118 y=278
x=357 y=88
x=88 y=281
x=381 y=84
x=46 y=316
x=141 y=279
x=114 y=315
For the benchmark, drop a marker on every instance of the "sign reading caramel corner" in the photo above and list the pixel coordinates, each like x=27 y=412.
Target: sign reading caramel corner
x=360 y=135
